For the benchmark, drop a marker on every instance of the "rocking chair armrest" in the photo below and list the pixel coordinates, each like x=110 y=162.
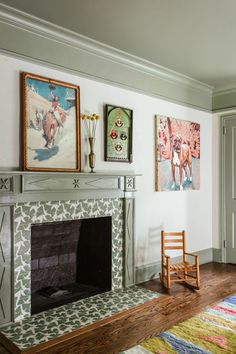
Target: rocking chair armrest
x=165 y=260
x=191 y=254
x=165 y=256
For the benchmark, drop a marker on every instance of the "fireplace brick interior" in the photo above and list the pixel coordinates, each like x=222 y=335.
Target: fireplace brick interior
x=70 y=260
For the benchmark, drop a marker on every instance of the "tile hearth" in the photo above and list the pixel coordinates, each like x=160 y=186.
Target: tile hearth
x=51 y=324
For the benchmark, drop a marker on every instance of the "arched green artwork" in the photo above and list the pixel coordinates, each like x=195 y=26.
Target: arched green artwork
x=118 y=134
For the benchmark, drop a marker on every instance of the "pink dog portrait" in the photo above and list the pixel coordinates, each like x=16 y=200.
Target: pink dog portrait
x=177 y=154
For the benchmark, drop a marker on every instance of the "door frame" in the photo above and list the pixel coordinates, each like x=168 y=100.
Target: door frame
x=223 y=119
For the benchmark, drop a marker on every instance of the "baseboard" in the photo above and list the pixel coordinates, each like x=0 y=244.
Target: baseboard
x=152 y=270
x=217 y=255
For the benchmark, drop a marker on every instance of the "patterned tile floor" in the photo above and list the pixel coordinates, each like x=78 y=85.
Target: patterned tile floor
x=50 y=324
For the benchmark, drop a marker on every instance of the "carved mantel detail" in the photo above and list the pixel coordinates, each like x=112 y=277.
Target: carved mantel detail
x=6 y=184
x=76 y=183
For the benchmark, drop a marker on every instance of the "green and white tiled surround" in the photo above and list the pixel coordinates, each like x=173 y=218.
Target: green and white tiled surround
x=28 y=198
x=29 y=213
x=51 y=324
x=31 y=198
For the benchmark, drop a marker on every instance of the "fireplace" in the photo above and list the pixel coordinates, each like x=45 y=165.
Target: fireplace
x=70 y=260
x=34 y=213
x=33 y=201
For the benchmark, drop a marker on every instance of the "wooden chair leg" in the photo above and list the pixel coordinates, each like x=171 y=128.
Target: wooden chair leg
x=197 y=273
x=185 y=274
x=162 y=274
x=168 y=273
x=161 y=277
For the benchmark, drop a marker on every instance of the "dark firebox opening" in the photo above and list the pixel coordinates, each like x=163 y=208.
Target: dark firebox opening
x=70 y=260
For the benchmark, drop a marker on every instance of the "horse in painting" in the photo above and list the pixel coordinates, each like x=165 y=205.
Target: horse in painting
x=53 y=123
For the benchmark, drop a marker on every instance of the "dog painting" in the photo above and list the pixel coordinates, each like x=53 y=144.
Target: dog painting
x=177 y=154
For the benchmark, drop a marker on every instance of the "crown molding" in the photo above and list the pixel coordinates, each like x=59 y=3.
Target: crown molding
x=41 y=27
x=224 y=91
x=224 y=99
x=87 y=46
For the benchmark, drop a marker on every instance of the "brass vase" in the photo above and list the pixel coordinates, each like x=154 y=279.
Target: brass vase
x=91 y=154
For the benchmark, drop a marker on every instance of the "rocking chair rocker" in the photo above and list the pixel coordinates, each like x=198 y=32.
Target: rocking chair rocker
x=178 y=272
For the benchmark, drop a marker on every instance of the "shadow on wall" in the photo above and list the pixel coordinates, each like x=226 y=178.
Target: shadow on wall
x=198 y=222
x=149 y=248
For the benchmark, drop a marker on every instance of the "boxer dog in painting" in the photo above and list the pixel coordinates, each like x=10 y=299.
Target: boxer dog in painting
x=181 y=157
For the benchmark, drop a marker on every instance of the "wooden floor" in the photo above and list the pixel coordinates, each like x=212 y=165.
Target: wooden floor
x=217 y=282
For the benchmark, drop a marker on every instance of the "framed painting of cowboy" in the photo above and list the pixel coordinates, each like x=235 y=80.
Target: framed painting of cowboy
x=177 y=154
x=51 y=124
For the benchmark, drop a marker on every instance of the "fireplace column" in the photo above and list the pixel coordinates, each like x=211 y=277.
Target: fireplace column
x=129 y=275
x=5 y=265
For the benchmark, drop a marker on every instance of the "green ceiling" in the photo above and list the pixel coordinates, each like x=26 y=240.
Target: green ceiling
x=194 y=38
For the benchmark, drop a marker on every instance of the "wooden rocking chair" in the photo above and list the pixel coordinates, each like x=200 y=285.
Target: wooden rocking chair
x=178 y=272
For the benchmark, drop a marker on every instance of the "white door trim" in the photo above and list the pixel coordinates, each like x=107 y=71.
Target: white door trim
x=223 y=119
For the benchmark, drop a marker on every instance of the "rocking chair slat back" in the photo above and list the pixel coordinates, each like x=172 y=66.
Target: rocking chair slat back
x=173 y=238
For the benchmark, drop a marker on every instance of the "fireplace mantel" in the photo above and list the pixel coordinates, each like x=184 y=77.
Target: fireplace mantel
x=17 y=186
x=35 y=188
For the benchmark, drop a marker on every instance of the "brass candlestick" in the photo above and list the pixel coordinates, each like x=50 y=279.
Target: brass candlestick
x=91 y=154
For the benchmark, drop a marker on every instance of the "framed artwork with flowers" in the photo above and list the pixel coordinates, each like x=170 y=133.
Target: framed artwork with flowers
x=118 y=133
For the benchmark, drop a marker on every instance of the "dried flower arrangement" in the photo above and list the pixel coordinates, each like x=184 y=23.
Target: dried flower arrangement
x=90 y=123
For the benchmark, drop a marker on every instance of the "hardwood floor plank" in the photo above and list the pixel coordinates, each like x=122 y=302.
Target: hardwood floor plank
x=181 y=303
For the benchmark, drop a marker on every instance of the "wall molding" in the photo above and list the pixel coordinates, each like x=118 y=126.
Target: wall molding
x=47 y=43
x=223 y=99
x=217 y=255
x=151 y=271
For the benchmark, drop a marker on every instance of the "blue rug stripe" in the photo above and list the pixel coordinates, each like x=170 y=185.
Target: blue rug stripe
x=231 y=300
x=181 y=346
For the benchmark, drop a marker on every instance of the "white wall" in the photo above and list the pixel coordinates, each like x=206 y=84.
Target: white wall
x=172 y=210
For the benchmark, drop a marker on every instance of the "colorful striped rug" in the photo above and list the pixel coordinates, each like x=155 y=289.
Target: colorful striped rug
x=212 y=331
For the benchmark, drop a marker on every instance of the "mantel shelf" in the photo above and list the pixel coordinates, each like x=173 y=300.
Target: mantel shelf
x=27 y=186
x=82 y=174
